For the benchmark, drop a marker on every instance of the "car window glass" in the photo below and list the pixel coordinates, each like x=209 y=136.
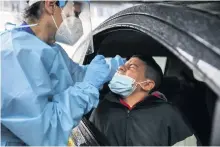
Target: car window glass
x=161 y=61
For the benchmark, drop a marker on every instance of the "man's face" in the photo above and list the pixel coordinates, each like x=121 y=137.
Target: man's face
x=135 y=68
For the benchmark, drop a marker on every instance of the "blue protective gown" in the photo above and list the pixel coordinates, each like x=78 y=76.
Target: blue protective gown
x=43 y=93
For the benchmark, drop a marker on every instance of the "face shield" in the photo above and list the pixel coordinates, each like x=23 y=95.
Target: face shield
x=76 y=26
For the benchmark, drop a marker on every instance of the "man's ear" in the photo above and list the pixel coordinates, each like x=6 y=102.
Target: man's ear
x=148 y=86
x=50 y=6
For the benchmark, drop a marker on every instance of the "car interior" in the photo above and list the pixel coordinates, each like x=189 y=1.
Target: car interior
x=193 y=98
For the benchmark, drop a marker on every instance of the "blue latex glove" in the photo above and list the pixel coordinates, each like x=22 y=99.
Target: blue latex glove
x=97 y=72
x=114 y=64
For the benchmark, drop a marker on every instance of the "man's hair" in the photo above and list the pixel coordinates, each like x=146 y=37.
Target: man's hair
x=34 y=12
x=152 y=70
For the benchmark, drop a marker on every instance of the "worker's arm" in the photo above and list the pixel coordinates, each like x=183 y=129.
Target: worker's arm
x=114 y=64
x=30 y=108
x=77 y=71
x=52 y=121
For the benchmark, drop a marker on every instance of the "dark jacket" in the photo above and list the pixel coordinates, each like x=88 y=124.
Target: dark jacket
x=152 y=121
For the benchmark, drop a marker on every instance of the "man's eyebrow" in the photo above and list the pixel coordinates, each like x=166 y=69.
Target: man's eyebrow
x=129 y=63
x=134 y=64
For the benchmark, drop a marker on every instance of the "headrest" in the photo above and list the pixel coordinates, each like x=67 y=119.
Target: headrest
x=170 y=85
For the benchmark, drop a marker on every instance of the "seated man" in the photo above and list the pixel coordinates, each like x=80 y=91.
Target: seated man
x=131 y=115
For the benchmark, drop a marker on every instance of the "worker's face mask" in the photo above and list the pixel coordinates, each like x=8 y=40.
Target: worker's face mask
x=69 y=31
x=73 y=28
x=123 y=85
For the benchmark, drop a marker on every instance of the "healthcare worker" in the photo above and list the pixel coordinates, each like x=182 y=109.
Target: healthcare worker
x=44 y=94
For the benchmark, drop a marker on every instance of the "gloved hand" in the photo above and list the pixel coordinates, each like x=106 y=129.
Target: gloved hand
x=114 y=64
x=97 y=72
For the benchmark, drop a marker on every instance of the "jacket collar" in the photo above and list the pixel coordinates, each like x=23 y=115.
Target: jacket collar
x=153 y=98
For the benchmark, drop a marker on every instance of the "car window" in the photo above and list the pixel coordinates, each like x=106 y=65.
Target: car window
x=161 y=61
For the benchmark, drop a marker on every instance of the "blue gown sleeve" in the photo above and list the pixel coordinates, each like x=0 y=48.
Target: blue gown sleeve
x=53 y=123
x=77 y=71
x=28 y=111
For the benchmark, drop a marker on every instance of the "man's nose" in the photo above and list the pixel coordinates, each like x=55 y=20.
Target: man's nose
x=122 y=69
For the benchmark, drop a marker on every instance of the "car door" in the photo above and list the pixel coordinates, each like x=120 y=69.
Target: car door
x=86 y=134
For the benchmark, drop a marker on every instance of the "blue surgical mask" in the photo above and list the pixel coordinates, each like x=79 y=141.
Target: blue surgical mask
x=123 y=85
